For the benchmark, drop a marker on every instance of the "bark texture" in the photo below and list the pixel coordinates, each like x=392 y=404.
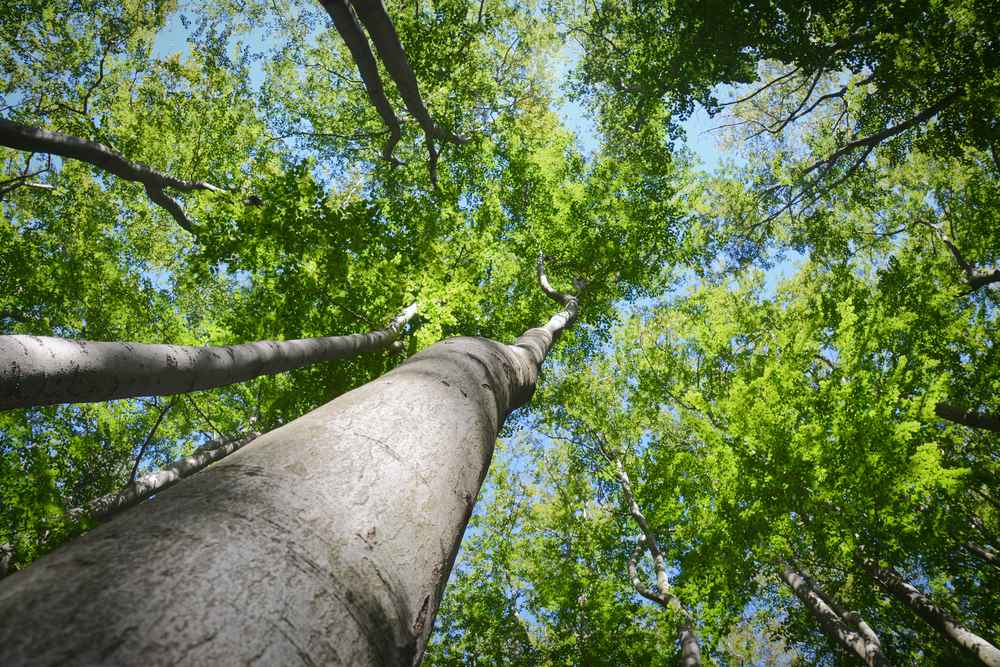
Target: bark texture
x=863 y=643
x=37 y=140
x=326 y=541
x=38 y=370
x=937 y=618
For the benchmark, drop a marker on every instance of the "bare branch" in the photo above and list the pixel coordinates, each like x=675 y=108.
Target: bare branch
x=761 y=89
x=873 y=140
x=149 y=438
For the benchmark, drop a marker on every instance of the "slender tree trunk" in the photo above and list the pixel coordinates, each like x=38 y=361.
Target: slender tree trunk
x=326 y=541
x=138 y=490
x=831 y=620
x=937 y=618
x=664 y=596
x=969 y=418
x=37 y=370
x=383 y=33
x=350 y=31
x=37 y=140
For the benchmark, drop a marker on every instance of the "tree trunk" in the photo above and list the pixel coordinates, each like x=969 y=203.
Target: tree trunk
x=969 y=418
x=379 y=25
x=690 y=650
x=38 y=370
x=37 y=140
x=936 y=617
x=830 y=620
x=326 y=541
x=350 y=31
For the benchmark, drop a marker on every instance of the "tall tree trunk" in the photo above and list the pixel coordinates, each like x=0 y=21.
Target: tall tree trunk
x=937 y=618
x=38 y=370
x=350 y=31
x=832 y=620
x=664 y=595
x=383 y=33
x=326 y=541
x=37 y=140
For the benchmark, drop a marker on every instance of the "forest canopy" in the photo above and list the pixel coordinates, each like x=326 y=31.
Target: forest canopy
x=768 y=427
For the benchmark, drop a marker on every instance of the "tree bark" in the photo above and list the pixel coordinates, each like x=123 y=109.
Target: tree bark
x=350 y=31
x=326 y=541
x=37 y=140
x=831 y=620
x=38 y=370
x=937 y=618
x=969 y=418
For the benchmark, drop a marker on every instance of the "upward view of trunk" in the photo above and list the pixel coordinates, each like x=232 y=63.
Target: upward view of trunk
x=834 y=621
x=37 y=140
x=350 y=31
x=37 y=370
x=383 y=34
x=326 y=541
x=937 y=618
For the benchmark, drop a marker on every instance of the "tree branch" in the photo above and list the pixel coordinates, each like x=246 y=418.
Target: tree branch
x=37 y=140
x=873 y=140
x=149 y=438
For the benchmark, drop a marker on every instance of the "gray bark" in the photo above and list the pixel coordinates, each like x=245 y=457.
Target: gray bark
x=350 y=31
x=326 y=541
x=37 y=140
x=664 y=596
x=936 y=617
x=38 y=370
x=862 y=643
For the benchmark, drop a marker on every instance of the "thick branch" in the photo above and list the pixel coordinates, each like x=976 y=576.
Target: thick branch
x=37 y=140
x=988 y=554
x=969 y=418
x=37 y=370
